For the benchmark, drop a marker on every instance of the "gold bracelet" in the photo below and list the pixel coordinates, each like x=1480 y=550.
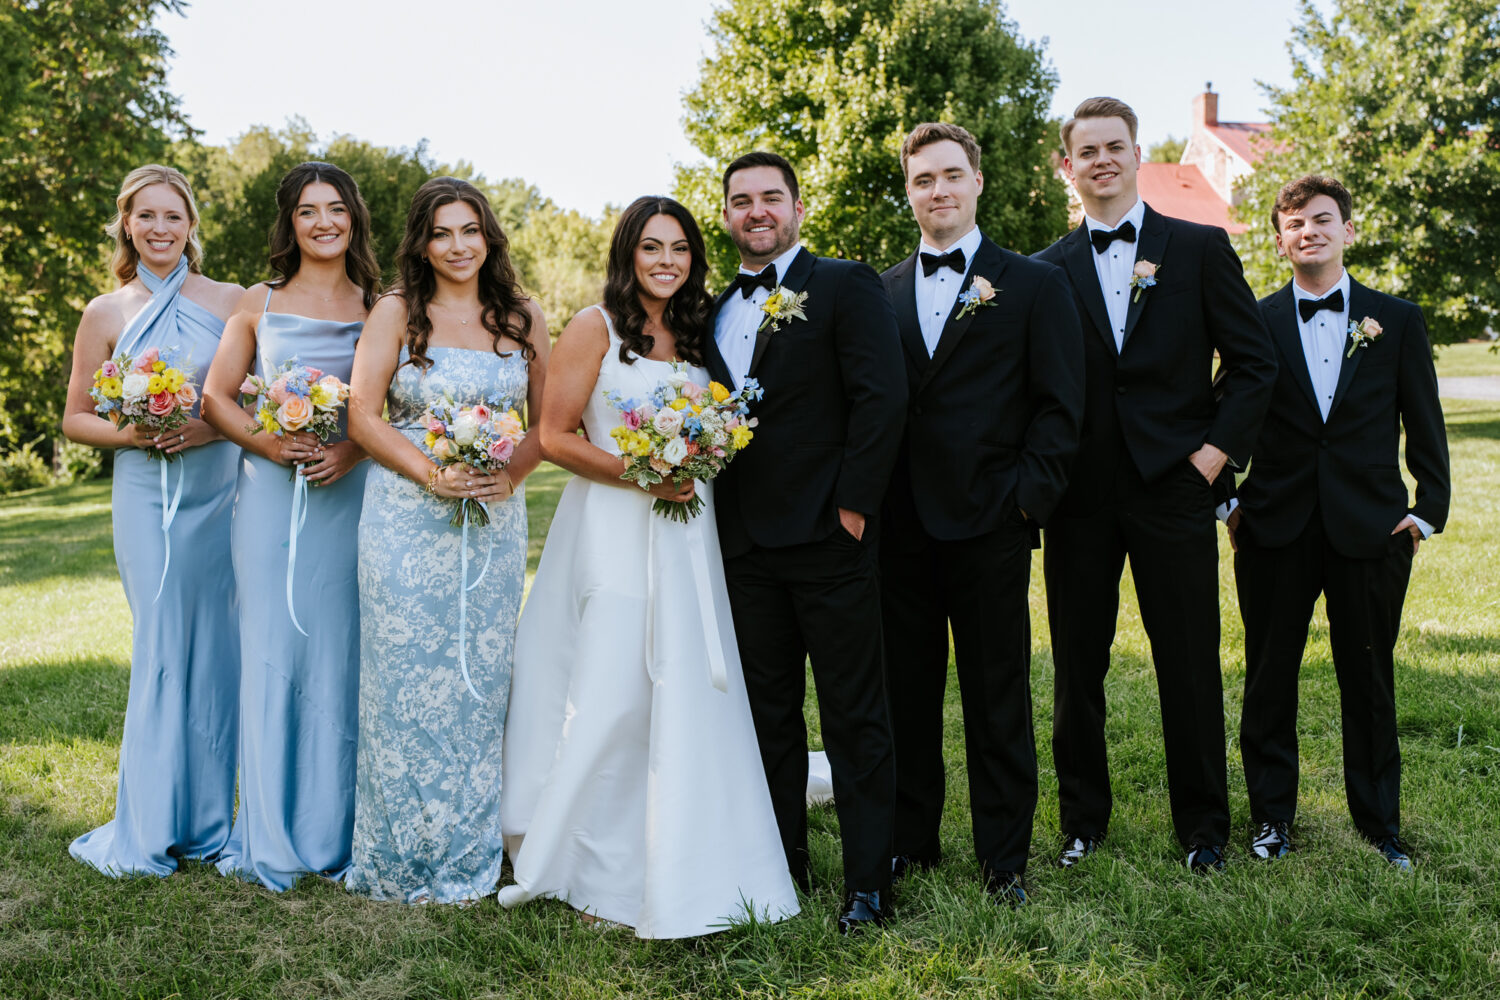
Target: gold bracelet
x=432 y=477
x=510 y=483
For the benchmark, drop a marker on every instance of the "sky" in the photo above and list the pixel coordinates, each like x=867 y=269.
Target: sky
x=583 y=98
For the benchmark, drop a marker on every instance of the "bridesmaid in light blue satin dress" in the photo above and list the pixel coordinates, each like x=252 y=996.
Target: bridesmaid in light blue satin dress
x=299 y=679
x=438 y=604
x=177 y=753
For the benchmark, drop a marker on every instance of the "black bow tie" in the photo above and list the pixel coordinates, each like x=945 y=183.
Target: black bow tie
x=1308 y=308
x=748 y=283
x=937 y=261
x=1102 y=238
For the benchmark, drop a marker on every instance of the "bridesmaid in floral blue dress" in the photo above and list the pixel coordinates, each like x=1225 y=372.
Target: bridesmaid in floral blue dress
x=171 y=529
x=438 y=604
x=299 y=678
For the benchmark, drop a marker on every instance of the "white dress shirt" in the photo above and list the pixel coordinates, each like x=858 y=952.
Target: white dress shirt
x=739 y=318
x=1115 y=267
x=1325 y=340
x=937 y=292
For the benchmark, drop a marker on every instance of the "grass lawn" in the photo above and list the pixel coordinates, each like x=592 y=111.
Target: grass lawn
x=1468 y=359
x=1331 y=921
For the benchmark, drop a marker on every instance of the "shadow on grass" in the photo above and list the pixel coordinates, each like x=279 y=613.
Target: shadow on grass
x=61 y=700
x=1477 y=424
x=56 y=532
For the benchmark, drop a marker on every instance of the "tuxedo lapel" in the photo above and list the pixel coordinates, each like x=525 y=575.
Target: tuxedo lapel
x=713 y=360
x=1152 y=247
x=988 y=262
x=1078 y=255
x=1361 y=304
x=1281 y=316
x=796 y=276
x=904 y=299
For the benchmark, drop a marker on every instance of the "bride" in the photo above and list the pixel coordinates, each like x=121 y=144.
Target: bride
x=633 y=786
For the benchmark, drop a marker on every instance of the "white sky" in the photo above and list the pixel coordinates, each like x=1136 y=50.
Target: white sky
x=583 y=98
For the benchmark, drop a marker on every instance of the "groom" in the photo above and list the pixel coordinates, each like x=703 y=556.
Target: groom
x=994 y=366
x=819 y=335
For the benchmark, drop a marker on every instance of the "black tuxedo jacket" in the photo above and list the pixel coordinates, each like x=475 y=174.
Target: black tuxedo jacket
x=830 y=421
x=995 y=412
x=1157 y=392
x=1347 y=466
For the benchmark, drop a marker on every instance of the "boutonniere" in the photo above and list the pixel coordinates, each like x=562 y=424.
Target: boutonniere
x=782 y=306
x=980 y=293
x=1143 y=277
x=1363 y=334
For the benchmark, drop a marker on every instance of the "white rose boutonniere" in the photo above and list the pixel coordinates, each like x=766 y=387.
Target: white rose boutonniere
x=980 y=293
x=1363 y=334
x=1143 y=277
x=782 y=306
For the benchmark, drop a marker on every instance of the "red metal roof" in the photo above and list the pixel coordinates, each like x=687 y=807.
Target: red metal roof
x=1181 y=191
x=1241 y=138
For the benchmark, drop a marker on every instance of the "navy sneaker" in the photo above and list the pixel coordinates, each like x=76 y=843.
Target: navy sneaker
x=1272 y=841
x=1007 y=887
x=1394 y=852
x=1075 y=849
x=1205 y=858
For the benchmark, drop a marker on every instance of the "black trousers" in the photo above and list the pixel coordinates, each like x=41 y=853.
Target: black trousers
x=1277 y=589
x=820 y=601
x=1167 y=530
x=979 y=585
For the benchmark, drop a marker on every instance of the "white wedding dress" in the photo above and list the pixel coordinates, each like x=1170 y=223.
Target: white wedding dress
x=633 y=786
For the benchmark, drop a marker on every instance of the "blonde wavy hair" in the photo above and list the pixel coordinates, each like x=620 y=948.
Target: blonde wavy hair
x=125 y=258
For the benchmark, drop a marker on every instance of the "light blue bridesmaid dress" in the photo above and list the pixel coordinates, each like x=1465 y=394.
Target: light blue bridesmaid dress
x=299 y=694
x=177 y=754
x=427 y=798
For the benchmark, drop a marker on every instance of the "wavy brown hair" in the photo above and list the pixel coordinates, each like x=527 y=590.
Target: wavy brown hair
x=690 y=308
x=125 y=258
x=286 y=256
x=503 y=305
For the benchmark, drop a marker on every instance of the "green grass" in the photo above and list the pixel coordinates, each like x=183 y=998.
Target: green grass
x=1331 y=921
x=1468 y=359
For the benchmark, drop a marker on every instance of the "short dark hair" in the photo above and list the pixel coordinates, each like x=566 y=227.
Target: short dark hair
x=1099 y=107
x=1296 y=194
x=928 y=133
x=761 y=158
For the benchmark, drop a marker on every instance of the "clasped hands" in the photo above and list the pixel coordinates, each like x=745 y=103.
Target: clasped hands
x=189 y=435
x=321 y=464
x=464 y=482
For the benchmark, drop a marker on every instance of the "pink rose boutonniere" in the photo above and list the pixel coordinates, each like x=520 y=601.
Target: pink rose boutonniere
x=1363 y=334
x=980 y=293
x=1143 y=277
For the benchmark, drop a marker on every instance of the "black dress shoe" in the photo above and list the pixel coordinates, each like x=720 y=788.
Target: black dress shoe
x=1007 y=887
x=862 y=910
x=1203 y=858
x=1075 y=849
x=1394 y=852
x=904 y=864
x=1271 y=841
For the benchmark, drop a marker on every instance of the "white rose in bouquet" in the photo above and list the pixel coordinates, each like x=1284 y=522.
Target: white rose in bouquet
x=465 y=429
x=675 y=451
x=667 y=422
x=135 y=384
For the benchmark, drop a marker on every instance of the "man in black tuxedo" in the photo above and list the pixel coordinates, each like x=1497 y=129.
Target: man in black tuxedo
x=1324 y=510
x=819 y=335
x=994 y=370
x=1159 y=296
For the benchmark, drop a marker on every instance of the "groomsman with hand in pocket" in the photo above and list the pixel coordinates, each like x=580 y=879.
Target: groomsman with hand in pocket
x=1324 y=511
x=1158 y=297
x=994 y=372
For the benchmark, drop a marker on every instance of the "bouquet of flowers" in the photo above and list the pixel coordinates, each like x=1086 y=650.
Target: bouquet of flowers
x=477 y=436
x=154 y=390
x=296 y=397
x=684 y=431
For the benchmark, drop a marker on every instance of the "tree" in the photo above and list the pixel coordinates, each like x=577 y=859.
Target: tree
x=83 y=101
x=1401 y=101
x=1169 y=150
x=835 y=85
x=561 y=257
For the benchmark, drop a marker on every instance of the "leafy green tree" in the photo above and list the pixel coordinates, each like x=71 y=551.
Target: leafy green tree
x=1400 y=101
x=83 y=101
x=835 y=85
x=1169 y=150
x=561 y=256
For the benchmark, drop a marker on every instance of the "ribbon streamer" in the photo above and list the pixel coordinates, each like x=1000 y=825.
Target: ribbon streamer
x=698 y=559
x=463 y=600
x=294 y=528
x=168 y=515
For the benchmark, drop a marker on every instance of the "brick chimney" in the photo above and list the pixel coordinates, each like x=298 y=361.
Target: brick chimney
x=1206 y=107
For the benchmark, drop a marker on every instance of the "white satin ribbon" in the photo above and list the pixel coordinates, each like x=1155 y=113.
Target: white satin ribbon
x=168 y=515
x=463 y=600
x=294 y=528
